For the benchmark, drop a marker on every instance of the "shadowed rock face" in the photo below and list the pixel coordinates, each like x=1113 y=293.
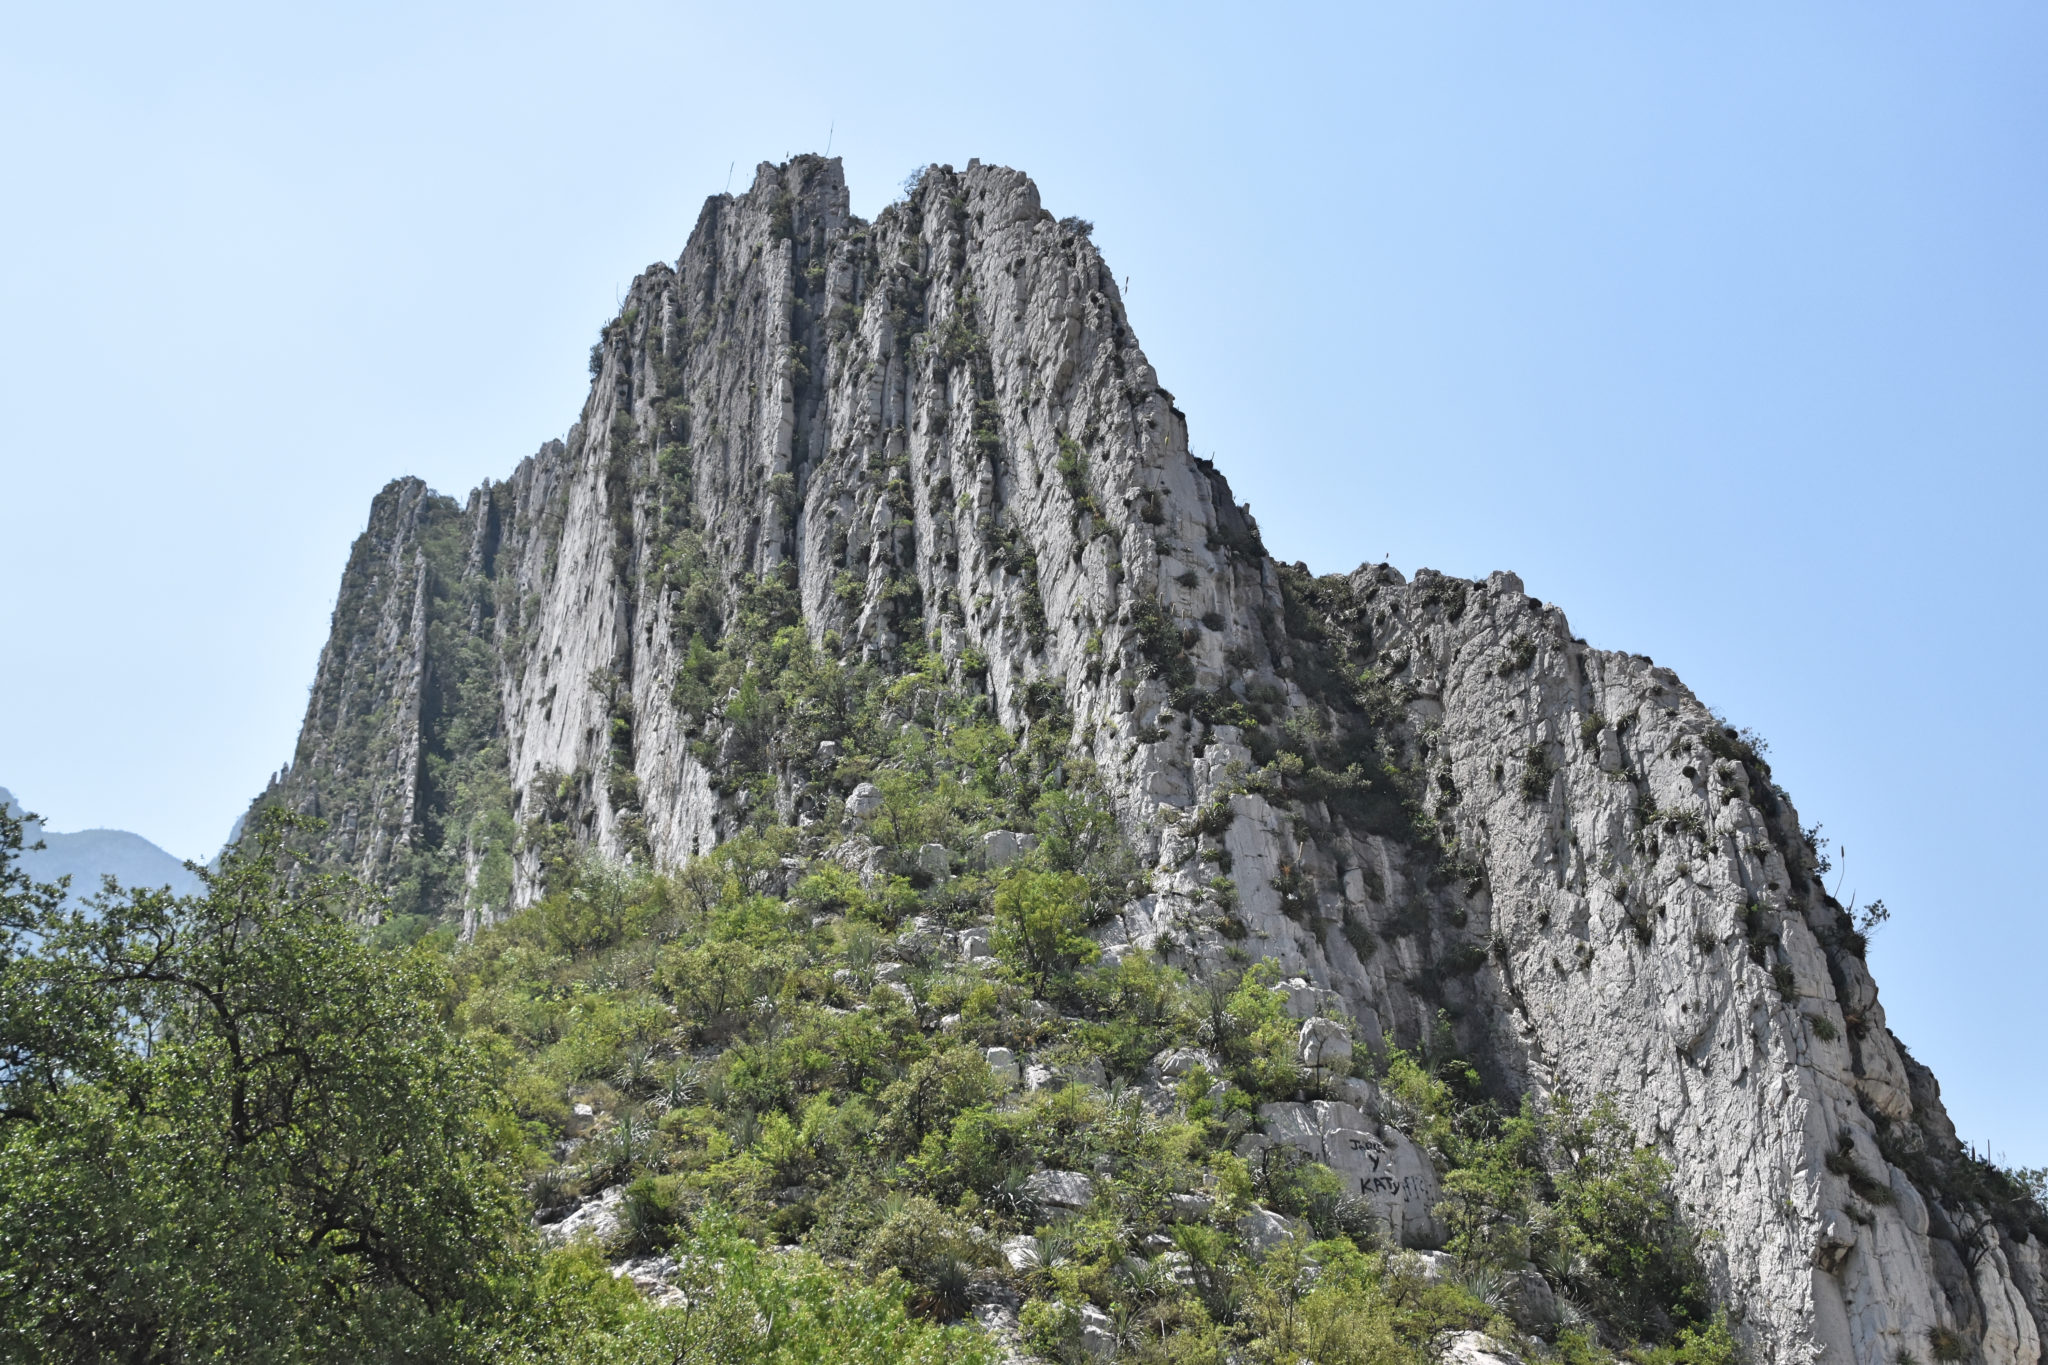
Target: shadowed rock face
x=1435 y=802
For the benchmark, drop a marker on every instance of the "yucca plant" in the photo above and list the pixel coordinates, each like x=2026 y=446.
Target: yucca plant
x=860 y=945
x=1146 y=1280
x=1013 y=1201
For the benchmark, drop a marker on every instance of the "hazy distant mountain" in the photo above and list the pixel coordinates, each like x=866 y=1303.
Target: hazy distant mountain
x=88 y=854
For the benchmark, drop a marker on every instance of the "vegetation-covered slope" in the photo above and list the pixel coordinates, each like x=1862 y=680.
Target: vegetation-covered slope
x=239 y=1128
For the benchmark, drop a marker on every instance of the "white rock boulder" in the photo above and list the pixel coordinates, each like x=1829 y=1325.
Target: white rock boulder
x=1264 y=1229
x=1178 y=1062
x=1023 y=1252
x=595 y=1220
x=1001 y=847
x=1474 y=1348
x=1098 y=1336
x=1324 y=1042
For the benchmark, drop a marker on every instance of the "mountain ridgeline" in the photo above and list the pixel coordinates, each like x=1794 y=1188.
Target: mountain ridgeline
x=87 y=856
x=821 y=456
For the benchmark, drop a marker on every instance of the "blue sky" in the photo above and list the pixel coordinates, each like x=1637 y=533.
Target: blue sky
x=1724 y=326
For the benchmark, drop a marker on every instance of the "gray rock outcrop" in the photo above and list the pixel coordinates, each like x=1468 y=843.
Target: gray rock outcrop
x=1060 y=1190
x=1383 y=1166
x=1263 y=1229
x=1475 y=1348
x=1324 y=1043
x=596 y=1219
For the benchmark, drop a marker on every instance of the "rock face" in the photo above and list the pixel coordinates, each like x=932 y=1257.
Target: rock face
x=596 y=1219
x=1382 y=1165
x=1433 y=799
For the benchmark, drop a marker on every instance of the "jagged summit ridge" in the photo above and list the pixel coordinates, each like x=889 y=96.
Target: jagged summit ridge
x=937 y=430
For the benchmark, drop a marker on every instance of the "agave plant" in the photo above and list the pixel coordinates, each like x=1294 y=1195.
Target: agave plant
x=678 y=1088
x=551 y=1188
x=1056 y=1244
x=644 y=1225
x=1226 y=1301
x=1484 y=1283
x=1571 y=1312
x=947 y=1296
x=1014 y=1201
x=1126 y=1322
x=1147 y=1280
x=617 y=1150
x=636 y=1071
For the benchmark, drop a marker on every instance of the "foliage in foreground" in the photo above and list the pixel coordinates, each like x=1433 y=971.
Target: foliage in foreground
x=230 y=1129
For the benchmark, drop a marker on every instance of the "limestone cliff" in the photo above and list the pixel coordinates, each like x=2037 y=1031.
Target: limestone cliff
x=1430 y=797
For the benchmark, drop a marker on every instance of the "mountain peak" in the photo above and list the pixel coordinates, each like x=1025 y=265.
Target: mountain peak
x=929 y=449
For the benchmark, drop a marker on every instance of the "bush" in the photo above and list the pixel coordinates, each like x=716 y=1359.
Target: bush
x=1712 y=1344
x=1521 y=655
x=831 y=889
x=1616 y=1224
x=1041 y=920
x=1538 y=768
x=932 y=1251
x=786 y=1308
x=1260 y=1041
x=1946 y=1344
x=653 y=1212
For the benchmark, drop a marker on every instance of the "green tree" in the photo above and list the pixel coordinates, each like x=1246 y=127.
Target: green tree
x=1488 y=1200
x=1078 y=832
x=1040 y=919
x=234 y=1130
x=1615 y=1234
